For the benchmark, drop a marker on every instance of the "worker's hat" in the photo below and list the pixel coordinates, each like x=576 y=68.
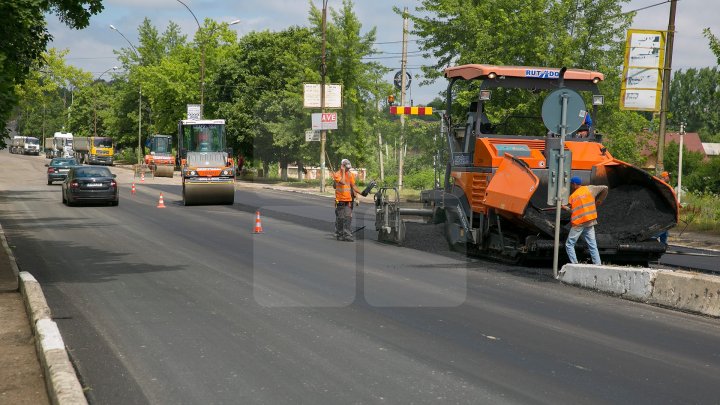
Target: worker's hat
x=346 y=162
x=664 y=174
x=576 y=180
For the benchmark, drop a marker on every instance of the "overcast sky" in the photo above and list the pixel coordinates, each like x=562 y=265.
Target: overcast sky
x=92 y=48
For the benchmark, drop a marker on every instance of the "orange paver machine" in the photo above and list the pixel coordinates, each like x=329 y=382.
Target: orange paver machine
x=494 y=201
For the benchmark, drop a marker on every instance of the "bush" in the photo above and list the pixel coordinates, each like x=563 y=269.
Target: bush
x=701 y=211
x=126 y=155
x=420 y=180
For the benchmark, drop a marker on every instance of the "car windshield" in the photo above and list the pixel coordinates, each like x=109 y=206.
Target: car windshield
x=204 y=138
x=32 y=141
x=103 y=142
x=93 y=172
x=63 y=162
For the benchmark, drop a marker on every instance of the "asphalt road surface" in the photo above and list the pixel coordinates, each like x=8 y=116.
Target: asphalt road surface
x=185 y=305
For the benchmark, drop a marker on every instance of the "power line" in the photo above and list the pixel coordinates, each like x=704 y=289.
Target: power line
x=394 y=42
x=647 y=7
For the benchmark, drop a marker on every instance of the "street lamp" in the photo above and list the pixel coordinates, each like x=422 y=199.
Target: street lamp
x=95 y=102
x=202 y=60
x=137 y=54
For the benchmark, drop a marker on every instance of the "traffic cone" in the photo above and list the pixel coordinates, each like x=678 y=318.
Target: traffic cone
x=132 y=190
x=258 y=225
x=142 y=177
x=161 y=203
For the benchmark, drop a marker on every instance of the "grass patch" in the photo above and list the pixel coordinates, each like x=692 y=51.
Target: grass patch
x=701 y=212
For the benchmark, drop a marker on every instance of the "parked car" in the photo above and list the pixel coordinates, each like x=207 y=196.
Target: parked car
x=58 y=169
x=90 y=184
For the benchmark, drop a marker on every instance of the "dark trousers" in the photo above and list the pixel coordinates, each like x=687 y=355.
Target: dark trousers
x=343 y=219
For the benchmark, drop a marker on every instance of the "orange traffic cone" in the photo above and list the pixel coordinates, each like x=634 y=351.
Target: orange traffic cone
x=142 y=177
x=258 y=225
x=132 y=190
x=161 y=203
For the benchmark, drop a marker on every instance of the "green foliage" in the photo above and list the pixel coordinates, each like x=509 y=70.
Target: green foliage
x=701 y=211
x=693 y=166
x=704 y=177
x=714 y=43
x=695 y=100
x=25 y=36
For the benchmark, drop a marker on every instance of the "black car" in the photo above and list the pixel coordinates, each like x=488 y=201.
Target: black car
x=90 y=184
x=58 y=169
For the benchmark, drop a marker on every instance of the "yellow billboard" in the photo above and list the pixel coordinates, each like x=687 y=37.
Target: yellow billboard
x=643 y=70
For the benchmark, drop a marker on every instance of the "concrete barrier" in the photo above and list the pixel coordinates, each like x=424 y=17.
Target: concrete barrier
x=62 y=382
x=35 y=303
x=628 y=282
x=687 y=291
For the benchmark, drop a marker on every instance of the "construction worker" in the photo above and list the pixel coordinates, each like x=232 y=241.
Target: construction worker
x=583 y=218
x=345 y=192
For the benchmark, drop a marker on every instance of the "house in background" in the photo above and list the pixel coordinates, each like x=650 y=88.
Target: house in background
x=711 y=149
x=691 y=142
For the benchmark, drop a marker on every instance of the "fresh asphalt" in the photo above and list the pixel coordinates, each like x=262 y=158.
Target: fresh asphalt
x=185 y=305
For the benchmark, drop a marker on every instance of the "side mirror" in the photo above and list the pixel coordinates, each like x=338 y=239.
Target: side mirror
x=114 y=176
x=47 y=165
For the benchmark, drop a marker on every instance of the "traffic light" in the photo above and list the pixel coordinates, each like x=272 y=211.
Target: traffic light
x=391 y=99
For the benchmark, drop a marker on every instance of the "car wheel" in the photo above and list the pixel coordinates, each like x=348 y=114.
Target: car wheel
x=63 y=197
x=49 y=182
x=115 y=203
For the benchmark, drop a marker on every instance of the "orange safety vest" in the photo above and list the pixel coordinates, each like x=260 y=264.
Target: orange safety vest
x=582 y=204
x=343 y=186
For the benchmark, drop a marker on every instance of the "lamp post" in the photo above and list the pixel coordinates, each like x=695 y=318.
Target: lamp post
x=95 y=102
x=137 y=54
x=202 y=59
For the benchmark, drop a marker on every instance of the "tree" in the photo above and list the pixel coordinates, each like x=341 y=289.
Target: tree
x=695 y=100
x=25 y=37
x=714 y=43
x=587 y=34
x=45 y=99
x=346 y=48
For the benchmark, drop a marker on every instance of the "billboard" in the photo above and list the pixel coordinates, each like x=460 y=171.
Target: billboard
x=642 y=74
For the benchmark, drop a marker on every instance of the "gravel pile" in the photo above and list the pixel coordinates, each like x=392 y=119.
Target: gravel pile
x=630 y=210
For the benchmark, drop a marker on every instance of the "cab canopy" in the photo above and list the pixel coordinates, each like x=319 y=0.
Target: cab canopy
x=482 y=72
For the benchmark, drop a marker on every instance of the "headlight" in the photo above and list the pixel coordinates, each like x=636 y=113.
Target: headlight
x=227 y=173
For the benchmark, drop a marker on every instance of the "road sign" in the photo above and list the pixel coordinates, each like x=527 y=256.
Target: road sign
x=395 y=110
x=642 y=72
x=312 y=135
x=194 y=112
x=398 y=80
x=311 y=95
x=552 y=110
x=558 y=178
x=321 y=121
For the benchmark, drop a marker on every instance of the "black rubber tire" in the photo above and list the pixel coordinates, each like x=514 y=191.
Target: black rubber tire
x=115 y=203
x=50 y=182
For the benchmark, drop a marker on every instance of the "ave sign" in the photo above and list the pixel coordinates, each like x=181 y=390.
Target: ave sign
x=323 y=121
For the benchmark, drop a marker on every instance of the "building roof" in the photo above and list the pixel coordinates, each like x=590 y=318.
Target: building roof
x=691 y=142
x=711 y=149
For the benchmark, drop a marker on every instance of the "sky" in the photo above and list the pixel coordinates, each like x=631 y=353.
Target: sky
x=92 y=48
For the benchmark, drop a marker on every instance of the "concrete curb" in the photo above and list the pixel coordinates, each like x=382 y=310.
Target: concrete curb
x=61 y=381
x=686 y=291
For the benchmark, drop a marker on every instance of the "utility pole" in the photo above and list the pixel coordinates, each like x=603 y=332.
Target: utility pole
x=666 y=87
x=323 y=72
x=403 y=64
x=680 y=158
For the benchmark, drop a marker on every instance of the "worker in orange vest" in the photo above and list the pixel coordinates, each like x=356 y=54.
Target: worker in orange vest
x=345 y=192
x=583 y=218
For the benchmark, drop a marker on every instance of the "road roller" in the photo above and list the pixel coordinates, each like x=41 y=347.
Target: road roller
x=160 y=159
x=499 y=165
x=207 y=167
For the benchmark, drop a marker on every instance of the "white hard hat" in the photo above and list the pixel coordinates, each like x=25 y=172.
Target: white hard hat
x=346 y=162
